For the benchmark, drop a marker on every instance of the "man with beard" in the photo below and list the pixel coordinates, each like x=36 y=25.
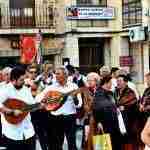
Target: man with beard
x=20 y=135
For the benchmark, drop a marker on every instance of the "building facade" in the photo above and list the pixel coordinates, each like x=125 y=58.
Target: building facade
x=27 y=18
x=121 y=40
x=91 y=33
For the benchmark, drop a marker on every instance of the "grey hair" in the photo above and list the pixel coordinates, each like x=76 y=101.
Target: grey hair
x=7 y=70
x=64 y=70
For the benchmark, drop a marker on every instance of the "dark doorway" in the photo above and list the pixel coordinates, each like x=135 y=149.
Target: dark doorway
x=91 y=54
x=9 y=61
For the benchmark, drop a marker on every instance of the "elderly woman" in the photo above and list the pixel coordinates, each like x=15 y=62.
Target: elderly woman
x=127 y=103
x=93 y=80
x=92 y=84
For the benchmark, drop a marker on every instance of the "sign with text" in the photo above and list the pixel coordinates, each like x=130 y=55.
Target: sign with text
x=126 y=61
x=76 y=12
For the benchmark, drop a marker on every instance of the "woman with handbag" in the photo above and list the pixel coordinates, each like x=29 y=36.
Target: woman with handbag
x=127 y=104
x=105 y=111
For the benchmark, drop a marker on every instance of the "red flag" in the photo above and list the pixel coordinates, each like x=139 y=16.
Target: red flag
x=28 y=49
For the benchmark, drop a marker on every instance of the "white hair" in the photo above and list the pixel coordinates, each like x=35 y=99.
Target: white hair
x=93 y=75
x=7 y=70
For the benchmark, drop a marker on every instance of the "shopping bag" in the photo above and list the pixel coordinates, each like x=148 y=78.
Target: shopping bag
x=121 y=123
x=102 y=142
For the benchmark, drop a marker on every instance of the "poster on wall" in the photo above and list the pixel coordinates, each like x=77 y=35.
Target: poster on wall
x=75 y=12
x=28 y=49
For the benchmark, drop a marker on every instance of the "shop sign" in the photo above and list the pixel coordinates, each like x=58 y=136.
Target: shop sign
x=76 y=12
x=126 y=61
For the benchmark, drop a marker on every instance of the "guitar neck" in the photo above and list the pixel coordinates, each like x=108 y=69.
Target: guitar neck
x=31 y=108
x=73 y=92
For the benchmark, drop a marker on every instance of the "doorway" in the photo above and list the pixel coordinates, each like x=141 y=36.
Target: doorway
x=91 y=54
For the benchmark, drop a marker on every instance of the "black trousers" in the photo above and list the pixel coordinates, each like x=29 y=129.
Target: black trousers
x=40 y=123
x=60 y=126
x=28 y=144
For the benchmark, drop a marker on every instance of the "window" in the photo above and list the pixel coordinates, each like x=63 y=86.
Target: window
x=132 y=12
x=94 y=2
x=92 y=23
x=22 y=13
x=84 y=2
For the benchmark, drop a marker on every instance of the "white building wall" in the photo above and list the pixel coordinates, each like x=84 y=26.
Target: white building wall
x=115 y=50
x=71 y=49
x=107 y=52
x=125 y=50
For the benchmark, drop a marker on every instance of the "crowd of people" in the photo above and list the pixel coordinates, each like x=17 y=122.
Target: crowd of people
x=91 y=102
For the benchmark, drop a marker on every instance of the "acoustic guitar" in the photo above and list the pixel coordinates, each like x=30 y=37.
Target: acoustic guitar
x=19 y=105
x=53 y=101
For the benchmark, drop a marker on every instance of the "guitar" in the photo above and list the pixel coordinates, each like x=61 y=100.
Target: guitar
x=19 y=105
x=55 y=99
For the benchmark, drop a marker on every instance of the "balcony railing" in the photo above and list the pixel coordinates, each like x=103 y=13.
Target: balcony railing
x=35 y=17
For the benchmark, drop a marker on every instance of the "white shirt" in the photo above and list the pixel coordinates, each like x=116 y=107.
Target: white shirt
x=23 y=130
x=3 y=84
x=68 y=107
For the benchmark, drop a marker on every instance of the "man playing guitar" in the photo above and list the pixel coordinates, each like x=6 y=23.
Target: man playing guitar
x=63 y=120
x=18 y=136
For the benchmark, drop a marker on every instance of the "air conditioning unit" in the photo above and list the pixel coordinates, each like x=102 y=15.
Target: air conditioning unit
x=137 y=34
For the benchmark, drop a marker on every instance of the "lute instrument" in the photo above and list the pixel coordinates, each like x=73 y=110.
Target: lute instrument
x=54 y=100
x=16 y=104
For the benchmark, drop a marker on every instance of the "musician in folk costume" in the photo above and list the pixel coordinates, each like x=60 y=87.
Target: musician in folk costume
x=63 y=120
x=20 y=135
x=5 y=79
x=39 y=117
x=127 y=103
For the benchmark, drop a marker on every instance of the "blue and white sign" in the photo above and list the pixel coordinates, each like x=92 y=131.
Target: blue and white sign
x=76 y=12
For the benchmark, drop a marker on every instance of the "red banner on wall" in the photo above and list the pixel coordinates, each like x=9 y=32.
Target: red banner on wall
x=126 y=61
x=28 y=49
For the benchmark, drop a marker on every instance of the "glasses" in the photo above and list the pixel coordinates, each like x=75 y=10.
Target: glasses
x=32 y=72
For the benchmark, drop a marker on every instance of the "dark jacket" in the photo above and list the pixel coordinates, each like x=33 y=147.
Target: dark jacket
x=145 y=101
x=131 y=111
x=104 y=110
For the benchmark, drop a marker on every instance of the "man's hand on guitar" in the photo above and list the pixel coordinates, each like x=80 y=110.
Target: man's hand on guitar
x=16 y=112
x=6 y=110
x=43 y=105
x=9 y=111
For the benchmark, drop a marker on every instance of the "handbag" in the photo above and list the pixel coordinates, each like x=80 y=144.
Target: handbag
x=102 y=141
x=121 y=122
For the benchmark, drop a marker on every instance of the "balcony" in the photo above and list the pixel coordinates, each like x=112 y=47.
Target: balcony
x=26 y=20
